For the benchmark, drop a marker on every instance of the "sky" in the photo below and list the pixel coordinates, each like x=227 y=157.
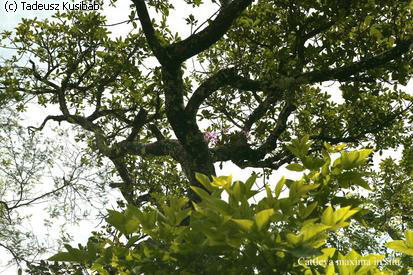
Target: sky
x=11 y=18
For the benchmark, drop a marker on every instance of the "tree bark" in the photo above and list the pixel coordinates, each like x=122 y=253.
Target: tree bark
x=185 y=127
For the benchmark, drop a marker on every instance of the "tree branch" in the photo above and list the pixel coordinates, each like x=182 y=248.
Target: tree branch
x=223 y=77
x=345 y=72
x=159 y=148
x=271 y=142
x=159 y=51
x=201 y=41
x=138 y=123
x=128 y=183
x=261 y=110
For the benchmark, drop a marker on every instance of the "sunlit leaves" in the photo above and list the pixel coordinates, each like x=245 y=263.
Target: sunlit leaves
x=403 y=246
x=279 y=186
x=354 y=159
x=230 y=225
x=126 y=222
x=337 y=219
x=263 y=217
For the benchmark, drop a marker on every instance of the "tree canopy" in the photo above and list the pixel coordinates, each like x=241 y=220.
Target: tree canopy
x=241 y=87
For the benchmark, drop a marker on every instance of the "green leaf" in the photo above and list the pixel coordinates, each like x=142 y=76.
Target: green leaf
x=295 y=167
x=330 y=270
x=312 y=163
x=308 y=210
x=263 y=217
x=204 y=180
x=279 y=187
x=354 y=159
x=303 y=189
x=328 y=216
x=133 y=240
x=344 y=213
x=409 y=238
x=350 y=178
x=269 y=192
x=220 y=206
x=400 y=246
x=237 y=190
x=200 y=192
x=222 y=181
x=62 y=257
x=116 y=219
x=310 y=231
x=245 y=224
x=328 y=253
x=73 y=255
x=349 y=159
x=250 y=181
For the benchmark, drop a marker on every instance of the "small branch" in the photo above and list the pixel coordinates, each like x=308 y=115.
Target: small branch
x=261 y=110
x=58 y=118
x=155 y=149
x=271 y=143
x=138 y=123
x=42 y=79
x=156 y=132
x=17 y=205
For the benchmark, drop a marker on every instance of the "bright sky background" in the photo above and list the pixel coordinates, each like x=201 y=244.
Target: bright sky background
x=11 y=19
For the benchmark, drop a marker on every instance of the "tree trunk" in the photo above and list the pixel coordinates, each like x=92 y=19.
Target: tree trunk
x=186 y=129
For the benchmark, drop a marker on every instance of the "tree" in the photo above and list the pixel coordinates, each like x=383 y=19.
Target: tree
x=48 y=173
x=264 y=61
x=253 y=85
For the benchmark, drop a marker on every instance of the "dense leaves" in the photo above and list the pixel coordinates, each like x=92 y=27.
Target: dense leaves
x=276 y=234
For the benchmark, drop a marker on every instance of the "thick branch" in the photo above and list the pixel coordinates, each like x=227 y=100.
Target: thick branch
x=127 y=188
x=226 y=152
x=158 y=148
x=150 y=34
x=58 y=118
x=345 y=72
x=241 y=153
x=156 y=132
x=186 y=130
x=223 y=77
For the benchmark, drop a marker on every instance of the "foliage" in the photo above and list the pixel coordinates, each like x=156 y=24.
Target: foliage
x=243 y=84
x=276 y=235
